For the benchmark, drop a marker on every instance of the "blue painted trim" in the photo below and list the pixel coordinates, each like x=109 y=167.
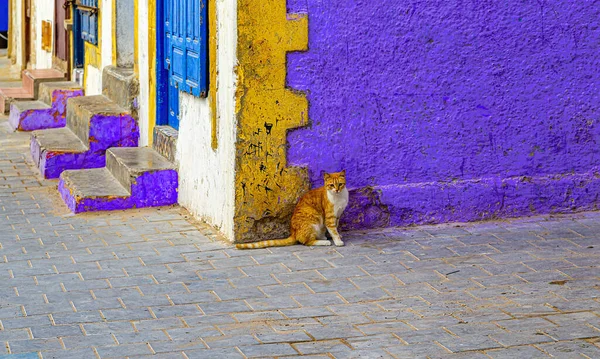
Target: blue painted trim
x=162 y=74
x=78 y=47
x=3 y=15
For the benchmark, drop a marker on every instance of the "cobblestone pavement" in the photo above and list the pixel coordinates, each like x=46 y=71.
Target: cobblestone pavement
x=151 y=283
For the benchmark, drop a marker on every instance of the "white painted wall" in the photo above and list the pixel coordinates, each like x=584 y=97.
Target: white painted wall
x=16 y=32
x=93 y=81
x=44 y=10
x=144 y=77
x=124 y=31
x=94 y=76
x=206 y=176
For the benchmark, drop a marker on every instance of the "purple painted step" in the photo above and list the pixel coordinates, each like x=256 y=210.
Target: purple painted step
x=49 y=111
x=94 y=124
x=132 y=178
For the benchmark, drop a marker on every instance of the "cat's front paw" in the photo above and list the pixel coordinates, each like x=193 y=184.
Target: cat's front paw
x=339 y=243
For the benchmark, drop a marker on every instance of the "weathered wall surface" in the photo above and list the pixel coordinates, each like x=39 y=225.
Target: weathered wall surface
x=124 y=31
x=206 y=174
x=16 y=34
x=43 y=10
x=451 y=110
x=143 y=46
x=98 y=57
x=266 y=189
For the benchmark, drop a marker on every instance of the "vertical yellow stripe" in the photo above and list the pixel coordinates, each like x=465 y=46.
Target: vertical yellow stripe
x=212 y=65
x=24 y=43
x=151 y=69
x=136 y=24
x=10 y=27
x=114 y=33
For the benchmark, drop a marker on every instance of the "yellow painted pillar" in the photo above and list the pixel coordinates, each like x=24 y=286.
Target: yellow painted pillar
x=266 y=188
x=10 y=26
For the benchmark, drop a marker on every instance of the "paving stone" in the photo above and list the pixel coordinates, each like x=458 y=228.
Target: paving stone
x=89 y=341
x=473 y=342
x=55 y=331
x=384 y=327
x=273 y=303
x=322 y=347
x=287 y=337
x=313 y=300
x=424 y=336
x=117 y=351
x=523 y=338
x=263 y=350
x=158 y=324
x=574 y=331
x=141 y=337
x=417 y=351
x=33 y=345
x=466 y=355
x=526 y=324
x=258 y=316
x=213 y=353
x=571 y=349
x=66 y=354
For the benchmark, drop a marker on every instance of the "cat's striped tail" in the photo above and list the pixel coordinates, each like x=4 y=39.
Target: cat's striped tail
x=290 y=241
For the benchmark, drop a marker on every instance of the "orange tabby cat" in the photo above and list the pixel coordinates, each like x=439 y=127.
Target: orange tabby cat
x=317 y=211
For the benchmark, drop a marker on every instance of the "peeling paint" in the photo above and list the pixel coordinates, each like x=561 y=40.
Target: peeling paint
x=266 y=188
x=53 y=117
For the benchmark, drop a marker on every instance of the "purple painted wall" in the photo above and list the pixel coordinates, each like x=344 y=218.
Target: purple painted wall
x=451 y=110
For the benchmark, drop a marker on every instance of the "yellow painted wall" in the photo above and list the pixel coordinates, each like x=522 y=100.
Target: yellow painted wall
x=266 y=189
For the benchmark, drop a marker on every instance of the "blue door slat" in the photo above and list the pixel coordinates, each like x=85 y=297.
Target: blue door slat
x=185 y=55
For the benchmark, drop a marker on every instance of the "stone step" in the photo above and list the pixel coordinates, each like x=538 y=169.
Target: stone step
x=26 y=115
x=121 y=86
x=85 y=111
x=92 y=190
x=9 y=95
x=33 y=78
x=49 y=111
x=165 y=142
x=127 y=164
x=97 y=123
x=53 y=92
x=54 y=150
x=133 y=178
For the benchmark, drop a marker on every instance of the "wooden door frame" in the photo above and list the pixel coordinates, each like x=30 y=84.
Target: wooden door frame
x=57 y=62
x=24 y=35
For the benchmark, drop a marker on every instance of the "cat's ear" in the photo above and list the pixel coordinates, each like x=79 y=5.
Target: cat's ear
x=343 y=173
x=325 y=175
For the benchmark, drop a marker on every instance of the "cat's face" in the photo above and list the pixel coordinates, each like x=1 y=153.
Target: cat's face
x=335 y=182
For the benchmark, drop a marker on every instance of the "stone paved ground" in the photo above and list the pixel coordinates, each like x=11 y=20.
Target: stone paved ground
x=150 y=283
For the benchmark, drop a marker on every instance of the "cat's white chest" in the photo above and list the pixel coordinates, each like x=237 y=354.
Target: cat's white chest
x=339 y=201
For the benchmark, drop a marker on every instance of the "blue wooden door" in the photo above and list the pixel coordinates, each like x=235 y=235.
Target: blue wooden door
x=184 y=52
x=172 y=12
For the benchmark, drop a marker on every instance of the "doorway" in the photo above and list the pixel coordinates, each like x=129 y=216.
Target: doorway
x=167 y=93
